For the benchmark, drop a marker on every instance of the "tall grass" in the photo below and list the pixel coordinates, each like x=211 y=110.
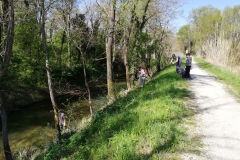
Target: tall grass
x=148 y=123
x=223 y=74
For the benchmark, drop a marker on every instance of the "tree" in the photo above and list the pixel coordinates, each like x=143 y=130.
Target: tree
x=50 y=85
x=65 y=8
x=137 y=18
x=215 y=34
x=184 y=36
x=6 y=38
x=27 y=62
x=230 y=30
x=133 y=17
x=109 y=46
x=206 y=22
x=127 y=25
x=82 y=38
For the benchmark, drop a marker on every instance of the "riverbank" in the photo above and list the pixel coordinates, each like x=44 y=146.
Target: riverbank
x=147 y=123
x=31 y=121
x=20 y=95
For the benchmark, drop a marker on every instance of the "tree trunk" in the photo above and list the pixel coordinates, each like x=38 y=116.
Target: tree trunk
x=68 y=42
x=8 y=25
x=61 y=50
x=86 y=84
x=158 y=63
x=6 y=147
x=109 y=51
x=51 y=92
x=126 y=47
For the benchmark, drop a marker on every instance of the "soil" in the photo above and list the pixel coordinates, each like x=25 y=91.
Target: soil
x=218 y=118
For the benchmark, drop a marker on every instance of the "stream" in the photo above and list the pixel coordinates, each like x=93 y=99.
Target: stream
x=34 y=125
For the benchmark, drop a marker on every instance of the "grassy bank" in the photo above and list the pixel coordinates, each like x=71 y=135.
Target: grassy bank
x=223 y=74
x=148 y=123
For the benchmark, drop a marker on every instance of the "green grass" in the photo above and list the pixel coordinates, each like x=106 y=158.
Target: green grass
x=223 y=74
x=148 y=123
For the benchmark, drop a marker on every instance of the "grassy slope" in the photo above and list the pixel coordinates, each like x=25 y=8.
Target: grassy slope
x=146 y=124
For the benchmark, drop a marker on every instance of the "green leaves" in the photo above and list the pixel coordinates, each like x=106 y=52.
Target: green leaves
x=209 y=30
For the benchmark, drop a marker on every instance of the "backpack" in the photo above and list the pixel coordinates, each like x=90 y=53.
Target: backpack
x=145 y=71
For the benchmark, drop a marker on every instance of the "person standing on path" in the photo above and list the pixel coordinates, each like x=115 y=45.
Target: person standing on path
x=188 y=65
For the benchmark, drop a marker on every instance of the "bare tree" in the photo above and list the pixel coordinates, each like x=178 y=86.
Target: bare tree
x=50 y=86
x=109 y=45
x=65 y=9
x=110 y=13
x=133 y=28
x=82 y=38
x=7 y=26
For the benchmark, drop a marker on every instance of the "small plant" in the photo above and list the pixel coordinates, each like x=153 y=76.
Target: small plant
x=27 y=153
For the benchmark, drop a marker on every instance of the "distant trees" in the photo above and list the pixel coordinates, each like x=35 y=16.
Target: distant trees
x=214 y=35
x=184 y=37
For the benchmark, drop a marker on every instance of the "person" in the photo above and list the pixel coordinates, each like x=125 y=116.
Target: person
x=62 y=120
x=176 y=60
x=142 y=75
x=188 y=65
x=180 y=70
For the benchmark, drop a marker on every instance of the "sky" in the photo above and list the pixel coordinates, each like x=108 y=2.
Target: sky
x=194 y=4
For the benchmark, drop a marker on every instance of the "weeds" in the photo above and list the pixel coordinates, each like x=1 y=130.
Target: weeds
x=27 y=153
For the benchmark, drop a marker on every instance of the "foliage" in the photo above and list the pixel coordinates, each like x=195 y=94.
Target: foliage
x=88 y=31
x=206 y=21
x=214 y=35
x=145 y=124
x=183 y=36
x=28 y=64
x=70 y=33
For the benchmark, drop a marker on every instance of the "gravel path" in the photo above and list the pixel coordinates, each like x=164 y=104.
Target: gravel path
x=219 y=116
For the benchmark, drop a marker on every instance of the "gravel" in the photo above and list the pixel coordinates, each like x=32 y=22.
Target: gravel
x=218 y=119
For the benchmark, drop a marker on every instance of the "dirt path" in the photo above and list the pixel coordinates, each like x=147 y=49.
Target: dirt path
x=218 y=120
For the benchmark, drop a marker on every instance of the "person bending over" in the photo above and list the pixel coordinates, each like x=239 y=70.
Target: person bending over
x=176 y=60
